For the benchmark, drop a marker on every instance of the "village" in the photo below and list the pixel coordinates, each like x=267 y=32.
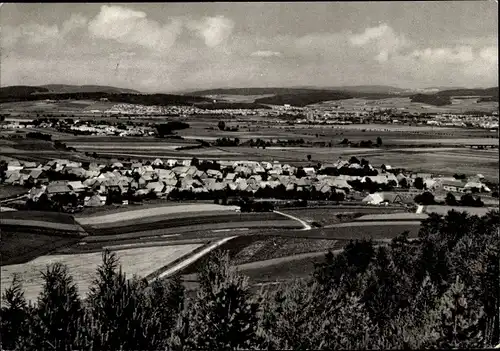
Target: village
x=74 y=185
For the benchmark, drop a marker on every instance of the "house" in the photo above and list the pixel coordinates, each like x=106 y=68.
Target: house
x=230 y=176
x=186 y=163
x=379 y=198
x=157 y=163
x=201 y=175
x=117 y=165
x=35 y=193
x=164 y=173
x=94 y=201
x=476 y=185
x=171 y=162
x=57 y=188
x=431 y=183
x=214 y=174
x=28 y=164
x=12 y=177
x=14 y=166
x=156 y=187
x=180 y=170
x=170 y=181
x=310 y=171
x=339 y=184
x=421 y=175
x=76 y=186
x=77 y=171
x=453 y=186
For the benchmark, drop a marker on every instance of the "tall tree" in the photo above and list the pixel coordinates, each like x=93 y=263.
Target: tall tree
x=56 y=319
x=15 y=313
x=224 y=315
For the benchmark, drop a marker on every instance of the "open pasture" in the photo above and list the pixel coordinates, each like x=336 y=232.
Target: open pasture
x=137 y=261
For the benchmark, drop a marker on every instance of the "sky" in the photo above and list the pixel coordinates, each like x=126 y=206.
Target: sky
x=172 y=47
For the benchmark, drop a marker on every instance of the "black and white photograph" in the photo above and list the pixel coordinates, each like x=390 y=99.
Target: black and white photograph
x=249 y=176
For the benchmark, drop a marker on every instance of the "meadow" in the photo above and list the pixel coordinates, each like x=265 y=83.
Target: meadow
x=137 y=261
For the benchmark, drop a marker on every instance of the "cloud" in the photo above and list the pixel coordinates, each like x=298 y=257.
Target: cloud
x=381 y=39
x=461 y=54
x=214 y=30
x=371 y=34
x=31 y=33
x=128 y=26
x=76 y=21
x=265 y=53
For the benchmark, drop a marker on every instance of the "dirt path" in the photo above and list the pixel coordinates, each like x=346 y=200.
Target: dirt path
x=193 y=258
x=304 y=224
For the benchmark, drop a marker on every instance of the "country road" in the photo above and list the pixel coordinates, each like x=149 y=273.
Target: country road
x=304 y=224
x=192 y=259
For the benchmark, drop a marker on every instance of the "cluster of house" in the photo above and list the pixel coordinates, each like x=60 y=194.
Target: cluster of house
x=103 y=129
x=161 y=177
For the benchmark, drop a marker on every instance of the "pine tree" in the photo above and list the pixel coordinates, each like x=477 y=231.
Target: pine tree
x=460 y=317
x=223 y=316
x=55 y=322
x=14 y=315
x=117 y=305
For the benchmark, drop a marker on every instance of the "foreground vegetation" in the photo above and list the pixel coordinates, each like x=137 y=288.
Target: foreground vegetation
x=439 y=291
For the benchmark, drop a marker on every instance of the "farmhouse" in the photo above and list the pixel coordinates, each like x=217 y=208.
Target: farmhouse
x=453 y=186
x=388 y=198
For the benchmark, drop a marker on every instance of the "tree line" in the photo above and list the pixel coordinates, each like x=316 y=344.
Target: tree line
x=438 y=291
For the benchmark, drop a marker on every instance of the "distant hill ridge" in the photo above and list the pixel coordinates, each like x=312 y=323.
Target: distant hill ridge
x=378 y=89
x=65 y=88
x=93 y=92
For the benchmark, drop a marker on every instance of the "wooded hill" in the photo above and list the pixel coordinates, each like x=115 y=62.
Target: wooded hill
x=29 y=93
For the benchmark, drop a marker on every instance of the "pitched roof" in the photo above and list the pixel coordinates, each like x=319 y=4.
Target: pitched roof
x=454 y=183
x=55 y=188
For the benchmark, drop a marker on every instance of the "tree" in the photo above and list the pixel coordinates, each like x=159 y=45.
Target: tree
x=354 y=159
x=221 y=125
x=224 y=315
x=426 y=198
x=404 y=183
x=450 y=199
x=419 y=183
x=379 y=141
x=15 y=315
x=309 y=157
x=470 y=200
x=195 y=162
x=56 y=318
x=460 y=319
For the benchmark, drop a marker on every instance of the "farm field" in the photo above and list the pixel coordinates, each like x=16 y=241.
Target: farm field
x=8 y=191
x=445 y=163
x=53 y=217
x=406 y=104
x=138 y=261
x=443 y=210
x=21 y=245
x=153 y=211
x=325 y=216
x=204 y=227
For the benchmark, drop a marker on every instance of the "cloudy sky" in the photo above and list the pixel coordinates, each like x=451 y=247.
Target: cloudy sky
x=172 y=47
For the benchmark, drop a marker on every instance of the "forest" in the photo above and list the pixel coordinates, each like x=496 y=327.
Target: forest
x=438 y=291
